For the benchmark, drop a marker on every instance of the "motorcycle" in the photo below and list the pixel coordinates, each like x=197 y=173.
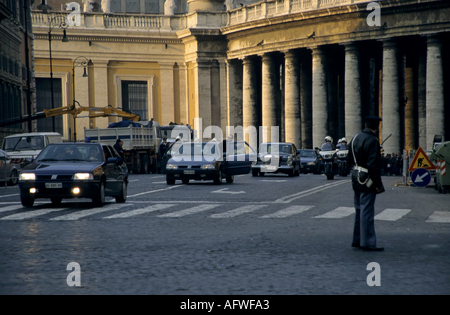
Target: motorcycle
x=342 y=153
x=329 y=160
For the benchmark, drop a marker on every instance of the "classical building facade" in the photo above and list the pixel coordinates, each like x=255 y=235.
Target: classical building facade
x=16 y=66
x=309 y=67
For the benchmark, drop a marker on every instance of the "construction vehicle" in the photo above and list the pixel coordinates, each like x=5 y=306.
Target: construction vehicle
x=141 y=144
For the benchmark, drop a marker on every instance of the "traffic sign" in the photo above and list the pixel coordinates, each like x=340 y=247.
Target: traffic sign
x=421 y=160
x=421 y=177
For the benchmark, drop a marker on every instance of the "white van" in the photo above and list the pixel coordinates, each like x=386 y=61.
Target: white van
x=29 y=145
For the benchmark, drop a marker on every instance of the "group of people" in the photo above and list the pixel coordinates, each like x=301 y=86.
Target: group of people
x=391 y=164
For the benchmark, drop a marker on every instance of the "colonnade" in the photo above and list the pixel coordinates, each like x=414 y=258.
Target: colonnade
x=320 y=88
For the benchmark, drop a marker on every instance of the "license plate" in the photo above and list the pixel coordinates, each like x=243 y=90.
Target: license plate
x=53 y=185
x=188 y=172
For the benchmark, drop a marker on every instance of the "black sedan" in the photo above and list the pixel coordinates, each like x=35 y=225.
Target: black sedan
x=74 y=170
x=277 y=158
x=207 y=161
x=311 y=161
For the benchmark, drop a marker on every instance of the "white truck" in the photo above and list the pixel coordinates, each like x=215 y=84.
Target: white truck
x=29 y=145
x=141 y=144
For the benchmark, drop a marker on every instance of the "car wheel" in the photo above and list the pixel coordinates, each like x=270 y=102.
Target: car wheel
x=218 y=178
x=99 y=200
x=56 y=201
x=255 y=172
x=26 y=199
x=14 y=178
x=170 y=180
x=185 y=181
x=230 y=179
x=123 y=193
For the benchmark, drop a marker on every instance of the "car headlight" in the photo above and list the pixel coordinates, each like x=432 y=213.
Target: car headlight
x=83 y=176
x=208 y=166
x=27 y=176
x=171 y=167
x=311 y=163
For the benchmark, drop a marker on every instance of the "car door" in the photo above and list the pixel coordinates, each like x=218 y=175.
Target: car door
x=110 y=172
x=239 y=160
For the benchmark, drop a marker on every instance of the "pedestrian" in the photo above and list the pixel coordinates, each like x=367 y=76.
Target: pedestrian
x=364 y=151
x=119 y=148
x=162 y=149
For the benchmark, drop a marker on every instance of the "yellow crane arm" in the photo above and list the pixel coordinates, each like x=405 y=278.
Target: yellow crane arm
x=93 y=112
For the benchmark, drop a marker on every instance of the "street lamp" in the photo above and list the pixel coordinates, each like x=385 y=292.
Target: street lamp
x=80 y=61
x=45 y=8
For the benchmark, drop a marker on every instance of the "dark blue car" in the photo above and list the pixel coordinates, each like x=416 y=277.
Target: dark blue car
x=74 y=170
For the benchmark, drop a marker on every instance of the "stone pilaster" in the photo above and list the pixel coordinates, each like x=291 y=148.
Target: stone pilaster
x=167 y=95
x=390 y=98
x=235 y=92
x=435 y=91
x=319 y=97
x=352 y=91
x=292 y=99
x=101 y=97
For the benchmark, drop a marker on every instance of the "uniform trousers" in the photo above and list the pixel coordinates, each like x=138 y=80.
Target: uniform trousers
x=364 y=229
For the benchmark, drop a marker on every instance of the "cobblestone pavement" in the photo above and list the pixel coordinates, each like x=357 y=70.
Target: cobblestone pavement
x=270 y=235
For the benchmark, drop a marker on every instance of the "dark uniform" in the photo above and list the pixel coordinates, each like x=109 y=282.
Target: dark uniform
x=119 y=149
x=368 y=155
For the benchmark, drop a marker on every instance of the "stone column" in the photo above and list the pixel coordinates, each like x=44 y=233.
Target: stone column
x=421 y=98
x=390 y=98
x=249 y=98
x=410 y=106
x=352 y=91
x=435 y=90
x=82 y=97
x=269 y=106
x=306 y=100
x=235 y=92
x=292 y=99
x=319 y=97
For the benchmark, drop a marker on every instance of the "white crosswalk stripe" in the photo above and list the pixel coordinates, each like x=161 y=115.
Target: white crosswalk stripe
x=30 y=214
x=11 y=208
x=391 y=214
x=238 y=211
x=287 y=212
x=84 y=213
x=340 y=212
x=439 y=217
x=132 y=213
x=189 y=211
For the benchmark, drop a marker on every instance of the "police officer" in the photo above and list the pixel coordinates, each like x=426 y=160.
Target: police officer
x=119 y=148
x=162 y=149
x=366 y=148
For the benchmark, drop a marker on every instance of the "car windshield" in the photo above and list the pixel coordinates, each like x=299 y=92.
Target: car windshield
x=24 y=143
x=275 y=148
x=307 y=154
x=191 y=149
x=71 y=152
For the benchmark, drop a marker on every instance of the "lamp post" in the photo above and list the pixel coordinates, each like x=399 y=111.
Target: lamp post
x=79 y=61
x=45 y=8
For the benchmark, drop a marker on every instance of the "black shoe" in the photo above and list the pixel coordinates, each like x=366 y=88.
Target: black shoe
x=356 y=245
x=372 y=248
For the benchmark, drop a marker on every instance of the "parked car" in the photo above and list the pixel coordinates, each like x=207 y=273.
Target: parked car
x=311 y=161
x=207 y=161
x=277 y=158
x=9 y=169
x=74 y=170
x=29 y=145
